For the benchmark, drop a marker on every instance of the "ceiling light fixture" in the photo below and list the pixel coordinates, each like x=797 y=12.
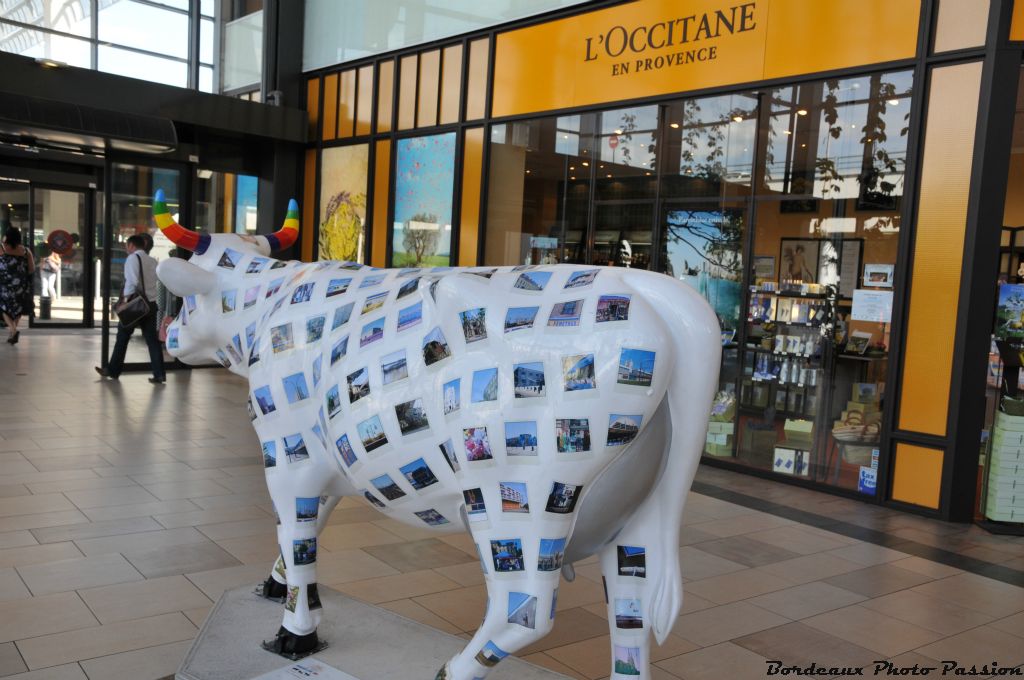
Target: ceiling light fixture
x=801 y=112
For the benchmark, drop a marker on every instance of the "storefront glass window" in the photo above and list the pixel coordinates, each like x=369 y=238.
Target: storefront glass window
x=424 y=195
x=343 y=181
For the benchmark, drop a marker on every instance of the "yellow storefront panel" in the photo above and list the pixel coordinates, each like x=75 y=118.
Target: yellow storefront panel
x=938 y=247
x=430 y=81
x=469 y=222
x=330 y=127
x=407 y=77
x=313 y=105
x=364 y=100
x=385 y=95
x=451 y=84
x=917 y=475
x=654 y=47
x=476 y=83
x=307 y=229
x=381 y=200
x=347 y=104
x=1017 y=23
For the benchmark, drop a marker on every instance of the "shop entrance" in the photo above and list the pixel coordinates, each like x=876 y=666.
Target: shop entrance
x=62 y=236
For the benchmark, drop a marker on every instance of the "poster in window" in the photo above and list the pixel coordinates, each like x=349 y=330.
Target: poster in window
x=343 y=181
x=424 y=188
x=798 y=260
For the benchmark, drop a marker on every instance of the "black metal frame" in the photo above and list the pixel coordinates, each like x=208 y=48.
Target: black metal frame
x=1001 y=61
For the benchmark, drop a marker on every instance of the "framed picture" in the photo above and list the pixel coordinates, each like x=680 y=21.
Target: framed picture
x=878 y=275
x=798 y=259
x=764 y=268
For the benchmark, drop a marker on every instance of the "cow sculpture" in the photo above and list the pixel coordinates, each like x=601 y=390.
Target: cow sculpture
x=554 y=412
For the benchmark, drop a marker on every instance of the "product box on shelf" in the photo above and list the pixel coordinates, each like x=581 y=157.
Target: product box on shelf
x=791 y=461
x=799 y=431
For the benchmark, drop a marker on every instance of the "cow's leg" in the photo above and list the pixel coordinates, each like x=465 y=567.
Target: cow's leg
x=297 y=635
x=627 y=602
x=520 y=609
x=275 y=587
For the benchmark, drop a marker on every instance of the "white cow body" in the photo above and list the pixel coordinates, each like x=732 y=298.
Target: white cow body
x=616 y=490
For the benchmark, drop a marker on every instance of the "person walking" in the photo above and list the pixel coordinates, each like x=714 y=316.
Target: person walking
x=49 y=270
x=140 y=278
x=16 y=268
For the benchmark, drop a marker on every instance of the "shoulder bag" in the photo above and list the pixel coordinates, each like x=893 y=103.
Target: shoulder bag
x=135 y=307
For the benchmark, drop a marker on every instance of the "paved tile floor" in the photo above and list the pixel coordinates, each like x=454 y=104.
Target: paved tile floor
x=125 y=510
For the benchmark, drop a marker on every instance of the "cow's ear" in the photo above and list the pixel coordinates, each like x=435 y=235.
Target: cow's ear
x=184 y=278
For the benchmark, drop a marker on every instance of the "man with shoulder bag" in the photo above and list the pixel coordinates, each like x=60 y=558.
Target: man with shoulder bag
x=137 y=309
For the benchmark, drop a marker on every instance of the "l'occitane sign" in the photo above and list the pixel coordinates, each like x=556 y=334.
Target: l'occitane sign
x=653 y=47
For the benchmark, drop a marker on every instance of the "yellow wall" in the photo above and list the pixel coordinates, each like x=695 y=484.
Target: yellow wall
x=381 y=202
x=577 y=61
x=472 y=175
x=1013 y=213
x=1017 y=23
x=917 y=475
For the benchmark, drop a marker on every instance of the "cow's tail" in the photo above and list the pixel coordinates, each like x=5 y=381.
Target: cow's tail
x=696 y=356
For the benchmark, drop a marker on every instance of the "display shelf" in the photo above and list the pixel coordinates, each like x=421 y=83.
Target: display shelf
x=776 y=293
x=862 y=357
x=790 y=355
x=760 y=411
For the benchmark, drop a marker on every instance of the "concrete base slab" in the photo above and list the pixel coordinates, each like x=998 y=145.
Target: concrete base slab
x=364 y=641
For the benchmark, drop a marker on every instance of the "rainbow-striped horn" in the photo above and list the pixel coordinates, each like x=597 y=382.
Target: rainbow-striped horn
x=179 y=235
x=286 y=235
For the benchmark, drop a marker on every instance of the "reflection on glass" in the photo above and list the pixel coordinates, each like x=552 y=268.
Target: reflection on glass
x=142 y=66
x=424 y=186
x=66 y=16
x=144 y=26
x=40 y=45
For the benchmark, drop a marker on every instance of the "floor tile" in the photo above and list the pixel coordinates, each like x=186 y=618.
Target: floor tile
x=115 y=512
x=571 y=626
x=811 y=568
x=83 y=572
x=208 y=518
x=17 y=539
x=878 y=580
x=361 y=535
x=343 y=566
x=167 y=491
x=697 y=564
x=12 y=587
x=141 y=542
x=180 y=559
x=868 y=554
x=981 y=645
x=151 y=663
x=544 y=661
x=34 y=616
x=36 y=554
x=463 y=608
x=798 y=539
x=747 y=550
x=10 y=660
x=873 y=630
x=720 y=624
x=415 y=555
x=101 y=498
x=725 y=660
x=926 y=567
x=79 y=532
x=398 y=587
x=99 y=641
x=739 y=585
x=975 y=592
x=420 y=614
x=71 y=671
x=806 y=600
x=925 y=611
x=143 y=598
x=34 y=504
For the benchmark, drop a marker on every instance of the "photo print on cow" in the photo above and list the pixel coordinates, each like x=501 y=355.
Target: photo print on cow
x=254 y=354
x=412 y=416
x=514 y=497
x=578 y=372
x=572 y=435
x=478 y=446
x=374 y=302
x=636 y=367
x=451 y=395
x=485 y=386
x=295 y=448
x=373 y=280
x=632 y=560
x=303 y=293
x=374 y=501
x=419 y=474
x=350 y=266
x=252 y=295
x=173 y=339
x=250 y=336
x=522 y=610
x=435 y=347
x=317 y=369
x=256 y=265
x=476 y=510
x=358 y=384
x=235 y=356
x=229 y=259
x=552 y=553
x=628 y=613
x=339 y=350
x=622 y=429
x=520 y=318
x=333 y=399
x=304 y=551
x=507 y=555
x=264 y=399
x=274 y=286
x=318 y=431
x=313 y=597
x=372 y=332
x=581 y=278
x=409 y=287
x=612 y=308
x=521 y=438
x=227 y=300
x=342 y=315
x=528 y=380
x=566 y=314
x=314 y=329
x=281 y=338
x=474 y=324
x=563 y=497
x=410 y=316
x=432 y=517
x=387 y=487
x=337 y=287
x=269 y=454
x=295 y=387
x=393 y=367
x=371 y=433
x=533 y=282
x=345 y=450
x=306 y=509
x=448 y=451
x=222 y=358
x=554 y=603
x=627 y=660
x=293 y=598
x=490 y=655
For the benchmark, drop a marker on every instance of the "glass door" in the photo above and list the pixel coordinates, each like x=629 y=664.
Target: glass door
x=60 y=237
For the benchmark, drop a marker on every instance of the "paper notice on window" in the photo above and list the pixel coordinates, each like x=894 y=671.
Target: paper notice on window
x=872 y=305
x=307 y=669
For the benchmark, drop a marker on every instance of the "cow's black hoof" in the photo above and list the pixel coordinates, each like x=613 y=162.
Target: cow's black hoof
x=443 y=674
x=292 y=646
x=272 y=590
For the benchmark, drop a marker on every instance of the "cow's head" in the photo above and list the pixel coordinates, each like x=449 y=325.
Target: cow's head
x=200 y=330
